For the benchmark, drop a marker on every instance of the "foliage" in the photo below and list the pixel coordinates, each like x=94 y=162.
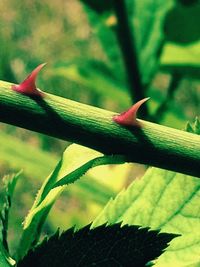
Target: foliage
x=157 y=211
x=75 y=162
x=102 y=246
x=161 y=200
x=82 y=40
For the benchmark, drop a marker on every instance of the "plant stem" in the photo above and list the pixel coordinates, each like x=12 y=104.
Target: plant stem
x=150 y=144
x=128 y=49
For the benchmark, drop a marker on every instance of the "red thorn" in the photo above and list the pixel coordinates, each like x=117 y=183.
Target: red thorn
x=128 y=118
x=28 y=86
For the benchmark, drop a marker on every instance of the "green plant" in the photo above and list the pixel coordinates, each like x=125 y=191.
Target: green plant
x=155 y=220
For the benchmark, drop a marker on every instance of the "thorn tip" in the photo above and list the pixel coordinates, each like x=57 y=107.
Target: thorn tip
x=128 y=118
x=28 y=86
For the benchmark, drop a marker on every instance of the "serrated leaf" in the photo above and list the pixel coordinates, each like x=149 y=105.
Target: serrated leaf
x=103 y=246
x=162 y=200
x=9 y=184
x=75 y=162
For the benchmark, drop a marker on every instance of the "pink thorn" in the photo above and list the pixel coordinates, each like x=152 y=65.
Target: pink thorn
x=28 y=86
x=128 y=118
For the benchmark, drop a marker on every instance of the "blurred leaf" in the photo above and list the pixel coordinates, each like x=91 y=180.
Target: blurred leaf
x=107 y=174
x=103 y=25
x=147 y=19
x=103 y=246
x=182 y=24
x=94 y=75
x=75 y=162
x=162 y=200
x=14 y=152
x=182 y=59
x=173 y=119
x=91 y=189
x=38 y=163
x=9 y=183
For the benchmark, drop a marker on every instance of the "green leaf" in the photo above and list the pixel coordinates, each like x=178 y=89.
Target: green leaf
x=162 y=200
x=75 y=162
x=103 y=24
x=181 y=54
x=9 y=183
x=103 y=246
x=183 y=59
x=182 y=24
x=147 y=18
x=14 y=153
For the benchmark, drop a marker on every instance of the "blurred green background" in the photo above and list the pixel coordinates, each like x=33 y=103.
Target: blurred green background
x=78 y=40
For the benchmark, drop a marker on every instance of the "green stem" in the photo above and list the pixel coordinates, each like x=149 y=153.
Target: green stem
x=128 y=49
x=150 y=144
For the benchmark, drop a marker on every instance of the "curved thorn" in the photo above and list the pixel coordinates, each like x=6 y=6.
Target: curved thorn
x=28 y=86
x=128 y=118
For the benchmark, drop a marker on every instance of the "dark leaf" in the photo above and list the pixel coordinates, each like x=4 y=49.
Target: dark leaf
x=113 y=245
x=182 y=24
